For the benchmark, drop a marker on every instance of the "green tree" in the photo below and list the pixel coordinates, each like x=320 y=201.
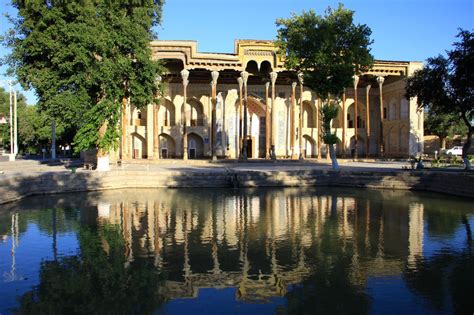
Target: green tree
x=445 y=86
x=444 y=126
x=84 y=58
x=328 y=50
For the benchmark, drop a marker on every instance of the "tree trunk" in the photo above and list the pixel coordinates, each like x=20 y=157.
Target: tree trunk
x=442 y=143
x=335 y=165
x=103 y=155
x=465 y=149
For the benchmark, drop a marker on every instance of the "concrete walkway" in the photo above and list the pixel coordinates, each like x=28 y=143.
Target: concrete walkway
x=31 y=167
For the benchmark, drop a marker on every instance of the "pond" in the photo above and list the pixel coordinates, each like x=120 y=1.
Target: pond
x=224 y=251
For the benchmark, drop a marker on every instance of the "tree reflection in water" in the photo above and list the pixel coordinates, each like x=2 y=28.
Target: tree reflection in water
x=315 y=251
x=447 y=278
x=98 y=281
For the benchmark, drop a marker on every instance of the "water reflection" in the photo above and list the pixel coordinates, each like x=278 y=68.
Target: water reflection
x=318 y=251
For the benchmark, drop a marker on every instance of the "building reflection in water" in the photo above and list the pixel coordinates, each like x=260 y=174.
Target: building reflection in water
x=261 y=243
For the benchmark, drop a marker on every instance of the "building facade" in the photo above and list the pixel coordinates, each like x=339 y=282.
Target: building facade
x=212 y=102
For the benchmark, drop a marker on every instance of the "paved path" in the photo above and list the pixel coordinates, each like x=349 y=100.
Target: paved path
x=29 y=167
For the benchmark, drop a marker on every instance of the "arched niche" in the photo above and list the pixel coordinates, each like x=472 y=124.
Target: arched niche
x=309 y=115
x=167 y=113
x=195 y=146
x=167 y=146
x=196 y=112
x=139 y=146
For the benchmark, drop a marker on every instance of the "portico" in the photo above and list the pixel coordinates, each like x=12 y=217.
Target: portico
x=247 y=105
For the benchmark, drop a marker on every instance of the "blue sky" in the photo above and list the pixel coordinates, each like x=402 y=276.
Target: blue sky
x=411 y=30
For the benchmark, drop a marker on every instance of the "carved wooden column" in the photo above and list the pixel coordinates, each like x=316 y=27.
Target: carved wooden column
x=241 y=83
x=267 y=122
x=367 y=120
x=185 y=76
x=344 y=123
x=245 y=76
x=214 y=75
x=318 y=120
x=124 y=124
x=356 y=136
x=380 y=81
x=292 y=120
x=273 y=77
x=156 y=143
x=300 y=134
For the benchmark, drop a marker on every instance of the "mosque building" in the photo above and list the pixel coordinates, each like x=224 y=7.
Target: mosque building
x=224 y=105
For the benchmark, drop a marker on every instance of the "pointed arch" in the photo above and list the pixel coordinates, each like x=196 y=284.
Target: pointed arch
x=309 y=115
x=167 y=146
x=167 y=113
x=195 y=146
x=139 y=146
x=309 y=146
x=196 y=112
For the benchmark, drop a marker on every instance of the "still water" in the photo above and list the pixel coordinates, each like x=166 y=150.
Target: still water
x=219 y=251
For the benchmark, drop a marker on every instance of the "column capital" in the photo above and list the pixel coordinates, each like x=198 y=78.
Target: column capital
x=185 y=76
x=355 y=77
x=267 y=85
x=367 y=88
x=300 y=77
x=293 y=85
x=380 y=80
x=214 y=75
x=244 y=75
x=273 y=77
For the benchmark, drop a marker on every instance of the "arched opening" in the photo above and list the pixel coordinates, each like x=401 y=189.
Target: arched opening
x=265 y=68
x=404 y=109
x=138 y=116
x=393 y=141
x=167 y=113
x=138 y=146
x=252 y=67
x=309 y=115
x=197 y=112
x=257 y=128
x=309 y=147
x=195 y=146
x=352 y=120
x=167 y=146
x=392 y=110
x=404 y=136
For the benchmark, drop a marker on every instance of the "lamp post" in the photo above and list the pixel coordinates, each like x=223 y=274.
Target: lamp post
x=13 y=121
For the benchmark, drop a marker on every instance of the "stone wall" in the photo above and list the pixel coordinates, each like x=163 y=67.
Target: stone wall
x=457 y=184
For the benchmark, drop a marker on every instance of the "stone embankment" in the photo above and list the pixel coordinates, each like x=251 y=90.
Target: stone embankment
x=19 y=186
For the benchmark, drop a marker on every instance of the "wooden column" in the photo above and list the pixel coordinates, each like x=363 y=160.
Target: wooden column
x=267 y=122
x=380 y=81
x=300 y=134
x=185 y=76
x=273 y=77
x=124 y=128
x=156 y=143
x=344 y=123
x=214 y=75
x=356 y=136
x=292 y=120
x=367 y=121
x=245 y=76
x=241 y=83
x=318 y=122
